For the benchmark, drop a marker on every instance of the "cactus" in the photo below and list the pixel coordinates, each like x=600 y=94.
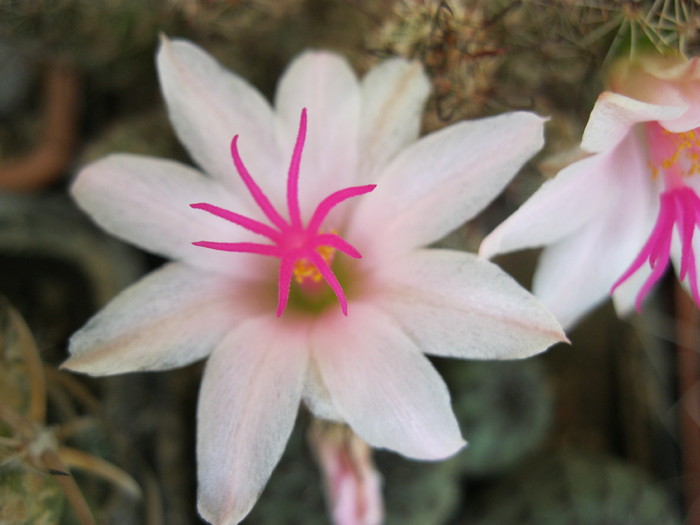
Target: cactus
x=577 y=488
x=504 y=409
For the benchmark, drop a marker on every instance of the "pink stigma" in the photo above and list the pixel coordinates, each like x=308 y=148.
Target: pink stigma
x=291 y=240
x=679 y=208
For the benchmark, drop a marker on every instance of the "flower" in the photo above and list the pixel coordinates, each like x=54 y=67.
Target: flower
x=612 y=221
x=266 y=355
x=353 y=485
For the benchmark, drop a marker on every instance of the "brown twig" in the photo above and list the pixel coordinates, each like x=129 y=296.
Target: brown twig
x=688 y=363
x=48 y=160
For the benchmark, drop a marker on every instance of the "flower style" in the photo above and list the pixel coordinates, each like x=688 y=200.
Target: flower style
x=613 y=221
x=301 y=249
x=293 y=318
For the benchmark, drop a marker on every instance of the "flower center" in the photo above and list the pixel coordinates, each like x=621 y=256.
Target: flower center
x=305 y=271
x=305 y=253
x=675 y=156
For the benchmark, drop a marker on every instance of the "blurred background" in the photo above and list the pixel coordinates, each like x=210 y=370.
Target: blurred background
x=604 y=431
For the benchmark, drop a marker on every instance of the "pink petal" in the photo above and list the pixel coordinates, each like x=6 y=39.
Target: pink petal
x=325 y=84
x=172 y=317
x=443 y=180
x=146 y=202
x=393 y=95
x=247 y=406
x=614 y=115
x=454 y=304
x=382 y=385
x=576 y=195
x=209 y=105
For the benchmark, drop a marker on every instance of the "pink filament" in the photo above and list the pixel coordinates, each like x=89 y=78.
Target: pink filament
x=292 y=241
x=680 y=208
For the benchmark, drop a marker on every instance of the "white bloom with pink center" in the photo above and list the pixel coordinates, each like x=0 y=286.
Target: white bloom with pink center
x=308 y=280
x=613 y=221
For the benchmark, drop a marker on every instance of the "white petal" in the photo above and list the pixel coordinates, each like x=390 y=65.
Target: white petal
x=443 y=180
x=614 y=115
x=579 y=193
x=316 y=396
x=456 y=305
x=573 y=276
x=146 y=202
x=393 y=95
x=576 y=274
x=172 y=317
x=625 y=295
x=324 y=84
x=209 y=105
x=247 y=406
x=382 y=385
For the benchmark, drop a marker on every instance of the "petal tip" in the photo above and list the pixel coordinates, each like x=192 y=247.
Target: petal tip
x=74 y=364
x=489 y=246
x=446 y=452
x=163 y=39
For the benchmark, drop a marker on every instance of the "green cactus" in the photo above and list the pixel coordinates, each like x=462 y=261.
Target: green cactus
x=576 y=488
x=504 y=409
x=29 y=497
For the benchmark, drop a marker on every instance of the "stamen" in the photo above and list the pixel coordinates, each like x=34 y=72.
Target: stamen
x=337 y=242
x=247 y=223
x=330 y=278
x=305 y=271
x=330 y=202
x=297 y=247
x=293 y=178
x=260 y=198
x=242 y=247
x=284 y=283
x=679 y=207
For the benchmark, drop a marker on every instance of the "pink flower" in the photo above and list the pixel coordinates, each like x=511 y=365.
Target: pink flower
x=294 y=314
x=353 y=485
x=613 y=221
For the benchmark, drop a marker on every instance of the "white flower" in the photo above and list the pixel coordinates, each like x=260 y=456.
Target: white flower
x=266 y=355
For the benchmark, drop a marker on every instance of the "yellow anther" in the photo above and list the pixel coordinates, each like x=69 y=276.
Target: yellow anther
x=306 y=271
x=685 y=158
